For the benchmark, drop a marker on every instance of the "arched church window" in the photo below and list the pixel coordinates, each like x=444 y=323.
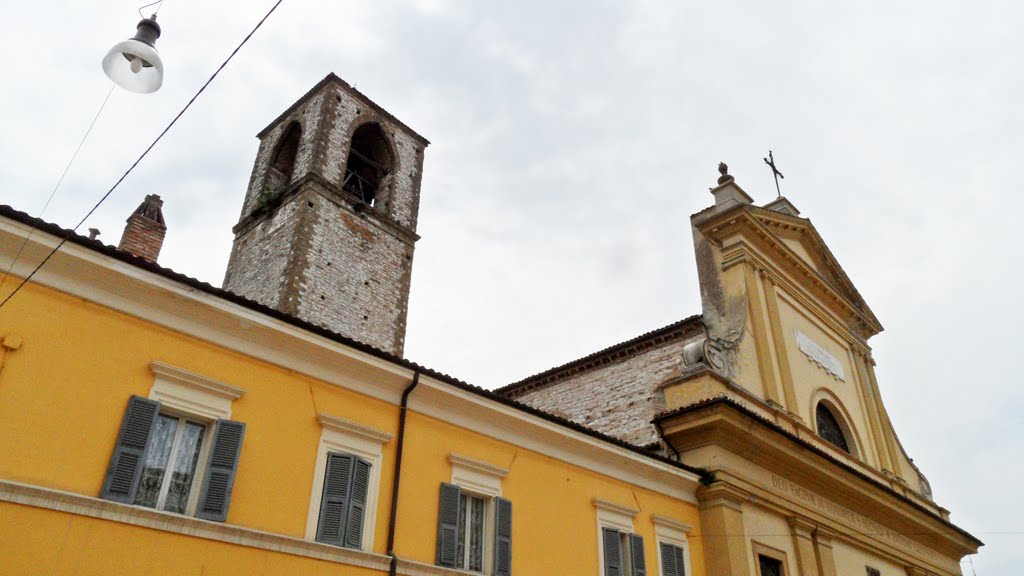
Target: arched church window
x=288 y=149
x=369 y=161
x=829 y=428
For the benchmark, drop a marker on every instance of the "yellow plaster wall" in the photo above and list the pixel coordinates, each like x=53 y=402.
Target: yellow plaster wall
x=63 y=395
x=798 y=247
x=850 y=560
x=49 y=543
x=771 y=530
x=808 y=377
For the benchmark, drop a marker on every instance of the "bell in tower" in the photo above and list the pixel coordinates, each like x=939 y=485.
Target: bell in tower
x=328 y=225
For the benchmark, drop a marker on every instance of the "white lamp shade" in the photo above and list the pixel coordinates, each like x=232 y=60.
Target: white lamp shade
x=134 y=66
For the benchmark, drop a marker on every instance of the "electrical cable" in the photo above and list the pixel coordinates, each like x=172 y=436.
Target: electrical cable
x=57 y=186
x=143 y=155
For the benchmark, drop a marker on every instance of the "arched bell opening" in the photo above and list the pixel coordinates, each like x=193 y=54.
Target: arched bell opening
x=369 y=162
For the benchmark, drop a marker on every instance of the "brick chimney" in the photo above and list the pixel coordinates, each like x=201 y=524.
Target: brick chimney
x=144 y=234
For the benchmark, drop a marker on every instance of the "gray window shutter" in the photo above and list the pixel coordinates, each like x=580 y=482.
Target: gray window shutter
x=636 y=554
x=129 y=457
x=672 y=560
x=220 y=472
x=335 y=499
x=612 y=552
x=680 y=565
x=502 y=537
x=448 y=526
x=357 y=504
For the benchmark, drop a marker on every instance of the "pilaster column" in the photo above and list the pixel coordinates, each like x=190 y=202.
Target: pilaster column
x=765 y=363
x=781 y=351
x=823 y=546
x=721 y=519
x=873 y=411
x=803 y=543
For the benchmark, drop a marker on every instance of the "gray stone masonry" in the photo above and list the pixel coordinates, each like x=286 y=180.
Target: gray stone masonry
x=309 y=248
x=614 y=391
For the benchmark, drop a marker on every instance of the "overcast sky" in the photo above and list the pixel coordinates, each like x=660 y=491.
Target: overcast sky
x=570 y=143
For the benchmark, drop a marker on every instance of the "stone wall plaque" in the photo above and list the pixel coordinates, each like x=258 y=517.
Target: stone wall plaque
x=820 y=356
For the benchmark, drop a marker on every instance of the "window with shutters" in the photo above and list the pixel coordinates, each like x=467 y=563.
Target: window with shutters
x=178 y=449
x=621 y=550
x=673 y=546
x=623 y=553
x=346 y=483
x=343 y=502
x=169 y=469
x=474 y=521
x=174 y=462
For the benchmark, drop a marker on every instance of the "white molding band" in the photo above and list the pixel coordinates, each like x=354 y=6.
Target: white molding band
x=477 y=465
x=670 y=530
x=354 y=429
x=612 y=515
x=476 y=476
x=79 y=505
x=192 y=393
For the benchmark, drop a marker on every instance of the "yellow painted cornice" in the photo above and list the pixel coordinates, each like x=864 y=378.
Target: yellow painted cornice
x=805 y=470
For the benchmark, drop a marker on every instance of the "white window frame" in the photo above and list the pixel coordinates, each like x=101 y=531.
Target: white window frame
x=347 y=437
x=674 y=532
x=617 y=517
x=481 y=479
x=190 y=396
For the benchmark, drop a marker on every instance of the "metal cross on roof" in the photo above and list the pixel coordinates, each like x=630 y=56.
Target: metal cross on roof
x=775 y=171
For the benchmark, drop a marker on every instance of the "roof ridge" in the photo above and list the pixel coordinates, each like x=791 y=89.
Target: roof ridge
x=550 y=375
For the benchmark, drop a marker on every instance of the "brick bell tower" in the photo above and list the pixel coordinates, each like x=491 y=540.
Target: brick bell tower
x=328 y=226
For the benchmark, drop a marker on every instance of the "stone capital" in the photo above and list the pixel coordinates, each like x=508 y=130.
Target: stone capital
x=721 y=494
x=802 y=526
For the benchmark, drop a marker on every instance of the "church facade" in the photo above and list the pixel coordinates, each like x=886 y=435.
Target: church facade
x=771 y=389
x=153 y=423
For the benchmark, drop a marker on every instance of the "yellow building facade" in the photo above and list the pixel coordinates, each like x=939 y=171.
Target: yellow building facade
x=151 y=423
x=99 y=330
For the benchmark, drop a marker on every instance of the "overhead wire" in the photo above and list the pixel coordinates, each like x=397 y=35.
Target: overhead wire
x=202 y=88
x=56 y=187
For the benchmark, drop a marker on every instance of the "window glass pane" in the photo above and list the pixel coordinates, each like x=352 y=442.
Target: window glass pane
x=829 y=428
x=184 y=468
x=460 y=555
x=770 y=566
x=476 y=536
x=157 y=452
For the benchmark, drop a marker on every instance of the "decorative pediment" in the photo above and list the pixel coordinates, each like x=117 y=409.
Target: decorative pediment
x=792 y=243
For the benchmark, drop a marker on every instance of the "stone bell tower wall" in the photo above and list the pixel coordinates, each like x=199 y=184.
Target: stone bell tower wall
x=307 y=245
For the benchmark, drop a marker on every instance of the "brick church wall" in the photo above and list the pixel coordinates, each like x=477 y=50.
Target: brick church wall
x=618 y=398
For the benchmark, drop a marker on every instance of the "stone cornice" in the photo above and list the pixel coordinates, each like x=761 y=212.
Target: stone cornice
x=354 y=429
x=334 y=194
x=477 y=466
x=614 y=508
x=197 y=381
x=725 y=424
